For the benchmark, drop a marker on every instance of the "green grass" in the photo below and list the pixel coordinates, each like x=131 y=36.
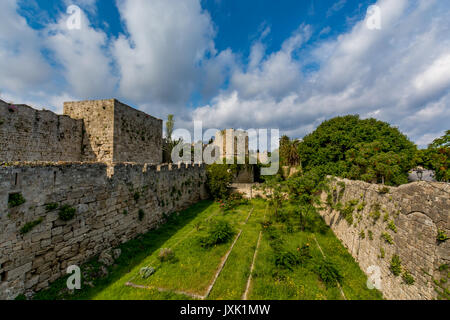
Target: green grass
x=194 y=267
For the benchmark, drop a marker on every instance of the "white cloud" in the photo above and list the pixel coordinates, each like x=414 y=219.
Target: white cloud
x=83 y=56
x=22 y=65
x=161 y=58
x=399 y=74
x=391 y=74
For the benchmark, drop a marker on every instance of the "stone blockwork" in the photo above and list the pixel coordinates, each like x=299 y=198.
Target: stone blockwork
x=27 y=134
x=110 y=209
x=366 y=218
x=98 y=136
x=116 y=132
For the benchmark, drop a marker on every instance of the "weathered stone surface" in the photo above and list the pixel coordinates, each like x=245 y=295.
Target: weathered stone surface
x=107 y=207
x=417 y=210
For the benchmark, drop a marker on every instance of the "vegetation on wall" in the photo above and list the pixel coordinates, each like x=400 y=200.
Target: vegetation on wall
x=15 y=200
x=66 y=212
x=30 y=225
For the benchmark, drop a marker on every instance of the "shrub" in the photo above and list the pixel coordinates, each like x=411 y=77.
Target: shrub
x=220 y=232
x=328 y=272
x=362 y=234
x=408 y=278
x=370 y=233
x=30 y=225
x=219 y=179
x=136 y=196
x=125 y=212
x=382 y=253
x=51 y=206
x=166 y=255
x=375 y=215
x=443 y=267
x=66 y=212
x=383 y=190
x=286 y=259
x=387 y=237
x=396 y=265
x=441 y=236
x=391 y=225
x=15 y=200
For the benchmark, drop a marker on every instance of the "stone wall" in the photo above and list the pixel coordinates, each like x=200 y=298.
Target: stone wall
x=364 y=216
x=98 y=137
x=27 y=134
x=137 y=136
x=107 y=214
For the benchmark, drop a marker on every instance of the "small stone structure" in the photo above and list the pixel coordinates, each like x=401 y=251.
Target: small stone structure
x=408 y=216
x=89 y=131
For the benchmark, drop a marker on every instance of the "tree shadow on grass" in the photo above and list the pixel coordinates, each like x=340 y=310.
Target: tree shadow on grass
x=133 y=253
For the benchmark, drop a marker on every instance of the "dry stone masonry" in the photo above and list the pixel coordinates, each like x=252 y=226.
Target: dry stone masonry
x=377 y=223
x=109 y=210
x=77 y=185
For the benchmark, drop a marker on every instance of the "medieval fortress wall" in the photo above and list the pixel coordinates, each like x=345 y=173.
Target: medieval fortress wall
x=102 y=159
x=110 y=210
x=417 y=210
x=27 y=134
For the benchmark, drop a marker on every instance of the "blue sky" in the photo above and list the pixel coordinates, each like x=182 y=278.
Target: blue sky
x=286 y=64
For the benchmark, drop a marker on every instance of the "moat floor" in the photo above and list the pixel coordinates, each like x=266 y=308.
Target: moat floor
x=221 y=272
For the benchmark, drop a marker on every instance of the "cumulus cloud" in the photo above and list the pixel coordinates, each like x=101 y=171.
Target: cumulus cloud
x=83 y=57
x=22 y=64
x=399 y=74
x=167 y=47
x=391 y=74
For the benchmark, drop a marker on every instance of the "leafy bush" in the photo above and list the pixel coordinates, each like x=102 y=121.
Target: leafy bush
x=30 y=225
x=387 y=237
x=219 y=178
x=408 y=278
x=392 y=226
x=15 y=200
x=368 y=150
x=51 y=206
x=396 y=265
x=286 y=259
x=166 y=255
x=66 y=212
x=328 y=272
x=441 y=236
x=219 y=232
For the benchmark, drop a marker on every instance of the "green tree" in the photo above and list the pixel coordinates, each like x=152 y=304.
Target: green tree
x=437 y=157
x=368 y=150
x=219 y=179
x=168 y=142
